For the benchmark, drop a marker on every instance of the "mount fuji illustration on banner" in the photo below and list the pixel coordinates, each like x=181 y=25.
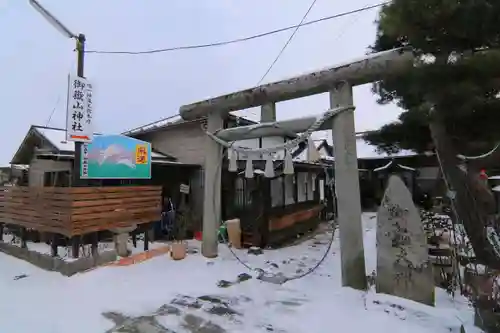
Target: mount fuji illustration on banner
x=116 y=157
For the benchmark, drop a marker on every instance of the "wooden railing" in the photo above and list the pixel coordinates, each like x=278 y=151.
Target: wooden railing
x=72 y=211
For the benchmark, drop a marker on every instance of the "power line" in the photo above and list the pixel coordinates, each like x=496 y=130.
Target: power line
x=287 y=42
x=284 y=47
x=53 y=110
x=296 y=27
x=290 y=39
x=244 y=39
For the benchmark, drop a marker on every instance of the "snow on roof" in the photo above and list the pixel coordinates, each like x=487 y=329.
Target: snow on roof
x=383 y=167
x=161 y=123
x=302 y=157
x=368 y=151
x=496 y=188
x=494 y=177
x=406 y=167
x=390 y=163
x=20 y=166
x=324 y=154
x=173 y=120
x=57 y=137
x=364 y=151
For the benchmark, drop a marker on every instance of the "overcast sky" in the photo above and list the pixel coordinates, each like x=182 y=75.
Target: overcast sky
x=35 y=59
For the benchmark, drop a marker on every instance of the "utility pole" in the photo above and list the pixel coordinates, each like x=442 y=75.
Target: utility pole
x=80 y=51
x=76 y=177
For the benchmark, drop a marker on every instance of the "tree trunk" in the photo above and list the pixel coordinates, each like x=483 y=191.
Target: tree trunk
x=471 y=202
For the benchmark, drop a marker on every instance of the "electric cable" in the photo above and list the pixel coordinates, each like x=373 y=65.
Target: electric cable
x=287 y=43
x=296 y=27
x=243 y=39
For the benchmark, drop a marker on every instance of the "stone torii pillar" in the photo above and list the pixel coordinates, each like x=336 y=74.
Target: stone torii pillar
x=347 y=190
x=212 y=188
x=368 y=69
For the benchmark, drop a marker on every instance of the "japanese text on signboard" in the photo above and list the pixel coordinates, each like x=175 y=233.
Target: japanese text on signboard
x=141 y=154
x=85 y=161
x=80 y=110
x=89 y=104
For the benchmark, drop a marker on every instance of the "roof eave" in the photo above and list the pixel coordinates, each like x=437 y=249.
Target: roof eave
x=16 y=159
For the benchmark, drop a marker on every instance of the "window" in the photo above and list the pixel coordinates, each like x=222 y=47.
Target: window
x=310 y=186
x=302 y=187
x=49 y=179
x=322 y=189
x=277 y=192
x=243 y=195
x=289 y=189
x=57 y=178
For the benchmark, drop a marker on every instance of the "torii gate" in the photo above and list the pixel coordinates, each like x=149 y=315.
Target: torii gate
x=338 y=81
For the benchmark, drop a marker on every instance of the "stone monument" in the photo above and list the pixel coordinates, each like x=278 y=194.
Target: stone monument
x=120 y=238
x=403 y=266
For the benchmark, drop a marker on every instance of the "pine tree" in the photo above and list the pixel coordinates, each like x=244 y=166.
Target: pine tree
x=450 y=97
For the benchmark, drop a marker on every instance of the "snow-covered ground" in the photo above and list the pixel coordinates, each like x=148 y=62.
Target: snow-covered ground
x=162 y=295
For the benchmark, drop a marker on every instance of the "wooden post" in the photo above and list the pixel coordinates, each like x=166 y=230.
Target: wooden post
x=23 y=238
x=80 y=51
x=347 y=190
x=146 y=237
x=1 y=232
x=94 y=243
x=134 y=238
x=266 y=210
x=212 y=188
x=256 y=209
x=53 y=245
x=75 y=247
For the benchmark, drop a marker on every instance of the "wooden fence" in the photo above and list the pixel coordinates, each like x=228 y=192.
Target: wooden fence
x=72 y=211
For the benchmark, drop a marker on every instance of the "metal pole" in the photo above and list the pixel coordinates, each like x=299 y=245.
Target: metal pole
x=80 y=50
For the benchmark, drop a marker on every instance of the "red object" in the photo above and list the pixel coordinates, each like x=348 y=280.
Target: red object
x=198 y=235
x=482 y=174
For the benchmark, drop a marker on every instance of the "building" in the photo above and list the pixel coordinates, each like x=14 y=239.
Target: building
x=271 y=210
x=5 y=173
x=185 y=140
x=49 y=159
x=261 y=204
x=419 y=171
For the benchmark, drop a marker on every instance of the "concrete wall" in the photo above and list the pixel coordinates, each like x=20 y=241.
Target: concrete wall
x=4 y=176
x=67 y=268
x=38 y=167
x=185 y=142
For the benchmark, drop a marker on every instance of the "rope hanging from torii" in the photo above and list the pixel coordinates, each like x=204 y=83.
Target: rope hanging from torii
x=267 y=153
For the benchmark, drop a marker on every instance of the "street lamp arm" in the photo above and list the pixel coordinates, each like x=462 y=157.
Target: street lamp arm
x=52 y=19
